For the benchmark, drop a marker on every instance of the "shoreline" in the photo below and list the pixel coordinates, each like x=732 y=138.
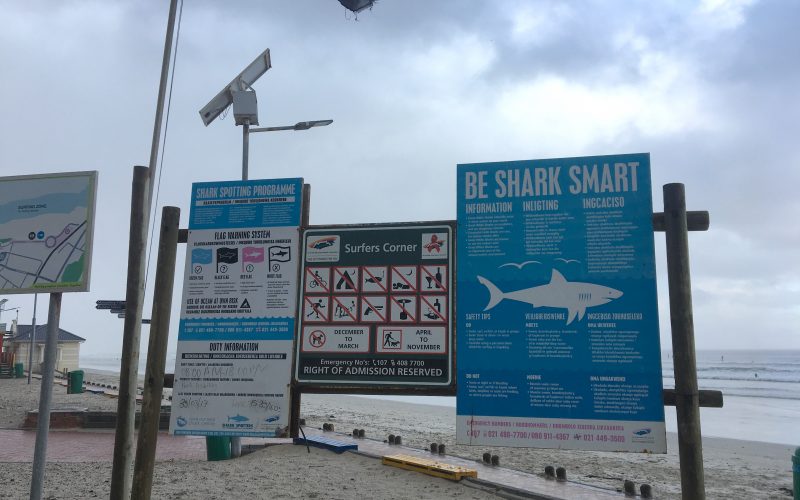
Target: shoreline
x=717 y=423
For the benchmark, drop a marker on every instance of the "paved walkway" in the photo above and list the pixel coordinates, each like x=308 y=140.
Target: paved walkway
x=91 y=446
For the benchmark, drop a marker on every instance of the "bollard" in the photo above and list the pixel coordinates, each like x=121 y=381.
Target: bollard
x=398 y=440
x=629 y=488
x=434 y=447
x=391 y=438
x=495 y=460
x=361 y=433
x=561 y=474
x=302 y=422
x=550 y=472
x=441 y=448
x=355 y=433
x=646 y=491
x=796 y=473
x=487 y=457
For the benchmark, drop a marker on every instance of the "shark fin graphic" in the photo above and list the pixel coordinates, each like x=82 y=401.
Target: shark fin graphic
x=571 y=315
x=557 y=277
x=495 y=294
x=581 y=313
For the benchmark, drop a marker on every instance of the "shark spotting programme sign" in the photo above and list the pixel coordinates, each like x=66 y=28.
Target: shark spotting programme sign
x=558 y=343
x=233 y=363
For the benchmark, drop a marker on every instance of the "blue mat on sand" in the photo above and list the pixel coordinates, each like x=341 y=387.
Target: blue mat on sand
x=327 y=443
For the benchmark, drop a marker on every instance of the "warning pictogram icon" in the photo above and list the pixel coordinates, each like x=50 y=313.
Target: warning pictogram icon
x=317 y=279
x=316 y=338
x=404 y=278
x=315 y=309
x=392 y=339
x=433 y=308
x=374 y=279
x=245 y=304
x=373 y=309
x=404 y=309
x=433 y=278
x=345 y=309
x=345 y=279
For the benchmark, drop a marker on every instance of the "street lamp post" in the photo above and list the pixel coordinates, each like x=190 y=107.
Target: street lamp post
x=245 y=113
x=33 y=339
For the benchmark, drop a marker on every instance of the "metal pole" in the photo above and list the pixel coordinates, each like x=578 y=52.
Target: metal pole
x=690 y=445
x=236 y=441
x=123 y=442
x=162 y=92
x=295 y=392
x=156 y=355
x=33 y=339
x=134 y=297
x=45 y=397
x=245 y=148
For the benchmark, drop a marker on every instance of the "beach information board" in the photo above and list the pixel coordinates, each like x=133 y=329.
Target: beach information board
x=46 y=228
x=558 y=343
x=375 y=307
x=233 y=365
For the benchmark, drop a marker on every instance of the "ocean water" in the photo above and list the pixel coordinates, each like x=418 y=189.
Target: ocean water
x=761 y=392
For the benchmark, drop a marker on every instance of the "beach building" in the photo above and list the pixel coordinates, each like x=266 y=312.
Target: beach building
x=67 y=357
x=6 y=356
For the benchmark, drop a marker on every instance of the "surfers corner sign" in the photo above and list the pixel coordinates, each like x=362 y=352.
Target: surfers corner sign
x=376 y=305
x=557 y=316
x=233 y=365
x=46 y=232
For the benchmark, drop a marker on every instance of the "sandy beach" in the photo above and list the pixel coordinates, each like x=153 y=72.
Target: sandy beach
x=733 y=468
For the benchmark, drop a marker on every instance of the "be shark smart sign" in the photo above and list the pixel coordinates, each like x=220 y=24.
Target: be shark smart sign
x=557 y=317
x=233 y=363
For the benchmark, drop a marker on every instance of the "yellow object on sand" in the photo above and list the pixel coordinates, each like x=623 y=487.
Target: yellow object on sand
x=430 y=467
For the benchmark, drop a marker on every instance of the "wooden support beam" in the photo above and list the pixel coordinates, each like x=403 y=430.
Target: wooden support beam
x=695 y=221
x=708 y=399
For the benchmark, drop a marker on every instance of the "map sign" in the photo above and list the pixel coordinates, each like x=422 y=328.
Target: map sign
x=46 y=229
x=375 y=306
x=233 y=365
x=558 y=343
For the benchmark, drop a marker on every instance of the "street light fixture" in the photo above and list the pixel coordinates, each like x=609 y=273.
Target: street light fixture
x=245 y=106
x=296 y=126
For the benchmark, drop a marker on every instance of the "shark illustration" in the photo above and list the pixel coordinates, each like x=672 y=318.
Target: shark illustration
x=238 y=418
x=574 y=296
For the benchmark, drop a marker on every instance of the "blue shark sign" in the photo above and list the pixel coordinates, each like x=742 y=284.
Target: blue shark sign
x=557 y=324
x=233 y=365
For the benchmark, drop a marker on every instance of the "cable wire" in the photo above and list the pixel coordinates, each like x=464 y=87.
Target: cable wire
x=163 y=147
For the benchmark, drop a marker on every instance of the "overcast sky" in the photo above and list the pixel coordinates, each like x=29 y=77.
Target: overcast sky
x=709 y=89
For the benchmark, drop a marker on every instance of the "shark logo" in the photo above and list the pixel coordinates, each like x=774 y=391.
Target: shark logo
x=574 y=296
